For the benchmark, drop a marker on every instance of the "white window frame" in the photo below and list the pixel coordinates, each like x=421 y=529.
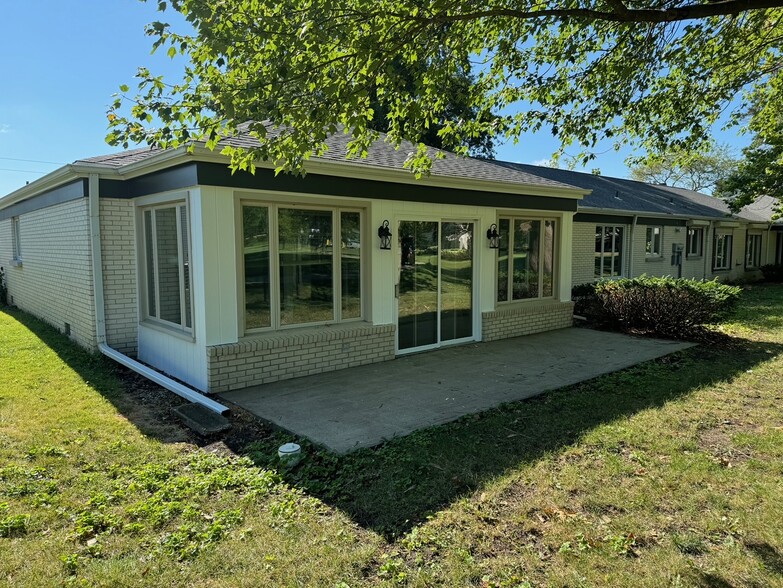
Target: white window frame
x=650 y=249
x=610 y=254
x=510 y=272
x=725 y=251
x=273 y=209
x=753 y=251
x=184 y=265
x=698 y=251
x=16 y=241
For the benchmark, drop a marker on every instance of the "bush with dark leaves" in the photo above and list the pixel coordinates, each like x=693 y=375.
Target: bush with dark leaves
x=676 y=308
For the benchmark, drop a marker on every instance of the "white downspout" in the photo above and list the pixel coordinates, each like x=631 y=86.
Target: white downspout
x=100 y=314
x=630 y=247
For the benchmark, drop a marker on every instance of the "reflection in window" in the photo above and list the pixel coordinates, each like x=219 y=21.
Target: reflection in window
x=306 y=266
x=350 y=264
x=255 y=227
x=526 y=257
x=301 y=266
x=456 y=277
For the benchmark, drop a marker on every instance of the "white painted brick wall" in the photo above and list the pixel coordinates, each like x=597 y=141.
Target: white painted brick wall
x=54 y=282
x=583 y=254
x=526 y=319
x=285 y=355
x=118 y=252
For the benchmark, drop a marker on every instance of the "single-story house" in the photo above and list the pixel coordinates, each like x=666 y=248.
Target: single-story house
x=169 y=263
x=626 y=228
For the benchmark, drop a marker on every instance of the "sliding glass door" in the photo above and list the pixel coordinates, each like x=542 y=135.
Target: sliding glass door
x=435 y=292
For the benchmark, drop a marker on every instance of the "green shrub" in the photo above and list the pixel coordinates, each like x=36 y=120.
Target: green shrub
x=772 y=272
x=667 y=307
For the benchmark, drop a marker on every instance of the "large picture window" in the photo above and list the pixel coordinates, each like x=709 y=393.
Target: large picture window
x=721 y=257
x=609 y=251
x=526 y=258
x=167 y=287
x=301 y=266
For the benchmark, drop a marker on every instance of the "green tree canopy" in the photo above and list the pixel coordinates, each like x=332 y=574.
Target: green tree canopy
x=654 y=73
x=695 y=170
x=760 y=171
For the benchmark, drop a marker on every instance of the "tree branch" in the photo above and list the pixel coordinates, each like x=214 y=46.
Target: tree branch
x=620 y=13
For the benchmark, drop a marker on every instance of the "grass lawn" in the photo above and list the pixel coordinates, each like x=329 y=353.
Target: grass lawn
x=666 y=474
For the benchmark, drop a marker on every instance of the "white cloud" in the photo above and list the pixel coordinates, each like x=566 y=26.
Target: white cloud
x=5 y=128
x=543 y=163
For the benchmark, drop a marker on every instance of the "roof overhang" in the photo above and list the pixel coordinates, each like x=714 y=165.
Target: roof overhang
x=646 y=214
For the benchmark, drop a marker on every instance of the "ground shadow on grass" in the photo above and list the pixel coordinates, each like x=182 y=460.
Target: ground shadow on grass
x=394 y=487
x=142 y=402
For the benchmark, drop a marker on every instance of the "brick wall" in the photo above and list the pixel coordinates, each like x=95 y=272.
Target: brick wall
x=526 y=319
x=54 y=281
x=583 y=254
x=280 y=356
x=118 y=250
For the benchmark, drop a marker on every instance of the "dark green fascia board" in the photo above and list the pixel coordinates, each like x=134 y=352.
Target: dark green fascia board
x=65 y=193
x=666 y=222
x=215 y=174
x=603 y=219
x=173 y=178
x=624 y=219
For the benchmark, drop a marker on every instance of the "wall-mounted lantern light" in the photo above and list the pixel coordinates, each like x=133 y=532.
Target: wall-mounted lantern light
x=385 y=235
x=493 y=236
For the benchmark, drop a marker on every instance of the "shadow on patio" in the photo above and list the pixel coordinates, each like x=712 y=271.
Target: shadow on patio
x=395 y=486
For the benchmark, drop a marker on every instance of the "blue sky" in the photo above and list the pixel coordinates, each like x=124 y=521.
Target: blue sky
x=62 y=62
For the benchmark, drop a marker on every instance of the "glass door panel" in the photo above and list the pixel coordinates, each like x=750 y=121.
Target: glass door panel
x=456 y=281
x=417 y=316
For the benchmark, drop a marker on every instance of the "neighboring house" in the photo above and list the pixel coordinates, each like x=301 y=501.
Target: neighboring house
x=628 y=228
x=228 y=280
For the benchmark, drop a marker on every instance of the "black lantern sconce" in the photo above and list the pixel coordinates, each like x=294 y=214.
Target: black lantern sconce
x=493 y=236
x=384 y=232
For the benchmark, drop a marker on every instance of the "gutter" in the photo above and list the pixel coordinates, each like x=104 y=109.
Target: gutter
x=100 y=315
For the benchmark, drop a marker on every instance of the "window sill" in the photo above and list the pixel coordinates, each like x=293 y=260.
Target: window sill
x=525 y=302
x=168 y=330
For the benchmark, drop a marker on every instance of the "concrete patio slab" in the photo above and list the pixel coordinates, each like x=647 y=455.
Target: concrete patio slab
x=364 y=406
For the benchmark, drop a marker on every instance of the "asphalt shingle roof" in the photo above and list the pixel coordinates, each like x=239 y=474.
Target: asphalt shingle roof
x=629 y=195
x=380 y=155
